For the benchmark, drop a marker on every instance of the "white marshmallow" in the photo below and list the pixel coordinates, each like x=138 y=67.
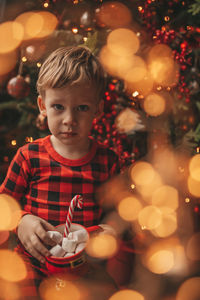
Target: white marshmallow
x=79 y=236
x=55 y=236
x=57 y=251
x=69 y=245
x=80 y=247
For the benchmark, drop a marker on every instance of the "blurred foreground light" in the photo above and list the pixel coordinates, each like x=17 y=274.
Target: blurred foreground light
x=160 y=51
x=142 y=173
x=38 y=24
x=161 y=262
x=193 y=186
x=12 y=267
x=137 y=70
x=102 y=246
x=10 y=212
x=113 y=14
x=165 y=256
x=194 y=167
x=123 y=42
x=165 y=196
x=150 y=217
x=8 y=62
x=154 y=104
x=4 y=235
x=143 y=86
x=9 y=290
x=193 y=247
x=11 y=34
x=114 y=64
x=127 y=294
x=56 y=288
x=129 y=208
x=190 y=289
x=168 y=224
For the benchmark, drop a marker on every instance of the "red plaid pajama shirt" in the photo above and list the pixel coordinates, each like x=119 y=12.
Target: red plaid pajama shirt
x=43 y=182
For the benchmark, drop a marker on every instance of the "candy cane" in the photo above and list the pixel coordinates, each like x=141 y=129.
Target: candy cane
x=76 y=201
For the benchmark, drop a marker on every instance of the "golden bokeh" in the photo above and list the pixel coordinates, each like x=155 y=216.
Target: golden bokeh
x=164 y=71
x=11 y=34
x=148 y=189
x=137 y=70
x=193 y=247
x=7 y=62
x=166 y=196
x=143 y=86
x=161 y=262
x=194 y=167
x=127 y=294
x=189 y=289
x=193 y=186
x=149 y=217
x=32 y=24
x=123 y=42
x=154 y=104
x=113 y=14
x=129 y=208
x=160 y=51
x=38 y=24
x=166 y=256
x=102 y=246
x=12 y=267
x=4 y=235
x=9 y=290
x=168 y=224
x=120 y=65
x=142 y=173
x=57 y=288
x=10 y=212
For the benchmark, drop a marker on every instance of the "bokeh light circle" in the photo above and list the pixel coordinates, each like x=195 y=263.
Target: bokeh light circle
x=127 y=294
x=129 y=208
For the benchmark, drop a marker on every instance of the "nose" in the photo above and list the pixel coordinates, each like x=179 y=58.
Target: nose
x=69 y=118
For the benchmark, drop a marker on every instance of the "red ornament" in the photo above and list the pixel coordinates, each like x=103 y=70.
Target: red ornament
x=18 y=87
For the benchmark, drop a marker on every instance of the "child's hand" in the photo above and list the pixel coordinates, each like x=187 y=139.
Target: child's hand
x=32 y=232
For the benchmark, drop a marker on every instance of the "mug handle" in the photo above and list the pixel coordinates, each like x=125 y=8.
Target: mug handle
x=94 y=229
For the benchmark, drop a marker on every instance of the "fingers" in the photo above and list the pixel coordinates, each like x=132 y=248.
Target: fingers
x=42 y=234
x=37 y=249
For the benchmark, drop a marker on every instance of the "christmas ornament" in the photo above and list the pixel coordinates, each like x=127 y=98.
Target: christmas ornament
x=18 y=87
x=113 y=14
x=35 y=51
x=86 y=21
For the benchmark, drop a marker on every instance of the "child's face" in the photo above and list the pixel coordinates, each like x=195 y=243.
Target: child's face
x=70 y=112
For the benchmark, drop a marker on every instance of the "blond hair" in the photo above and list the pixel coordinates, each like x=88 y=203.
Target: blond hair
x=69 y=65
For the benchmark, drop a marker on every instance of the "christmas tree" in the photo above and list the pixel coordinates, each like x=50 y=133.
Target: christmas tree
x=151 y=56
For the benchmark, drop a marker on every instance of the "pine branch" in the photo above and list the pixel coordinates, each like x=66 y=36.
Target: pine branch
x=195 y=8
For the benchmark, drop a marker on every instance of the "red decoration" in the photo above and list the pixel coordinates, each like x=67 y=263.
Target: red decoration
x=18 y=87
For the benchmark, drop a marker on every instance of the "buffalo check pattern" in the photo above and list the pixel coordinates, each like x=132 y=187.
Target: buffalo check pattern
x=43 y=182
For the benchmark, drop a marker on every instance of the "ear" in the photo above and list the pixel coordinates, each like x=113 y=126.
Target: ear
x=41 y=106
x=100 y=108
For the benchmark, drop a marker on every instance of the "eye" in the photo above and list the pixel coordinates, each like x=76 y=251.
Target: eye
x=83 y=107
x=58 y=107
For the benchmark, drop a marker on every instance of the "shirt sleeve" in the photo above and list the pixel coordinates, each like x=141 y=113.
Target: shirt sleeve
x=16 y=180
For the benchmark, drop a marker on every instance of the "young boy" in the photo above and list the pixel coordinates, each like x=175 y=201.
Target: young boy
x=46 y=174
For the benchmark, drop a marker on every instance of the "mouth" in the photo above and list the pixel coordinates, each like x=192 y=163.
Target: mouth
x=68 y=134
